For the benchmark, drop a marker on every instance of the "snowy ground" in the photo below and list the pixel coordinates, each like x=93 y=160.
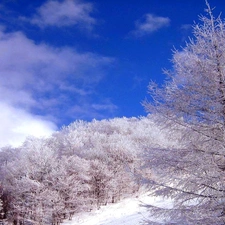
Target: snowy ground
x=126 y=212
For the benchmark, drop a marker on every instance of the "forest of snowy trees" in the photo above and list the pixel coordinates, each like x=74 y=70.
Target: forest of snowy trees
x=177 y=151
x=79 y=168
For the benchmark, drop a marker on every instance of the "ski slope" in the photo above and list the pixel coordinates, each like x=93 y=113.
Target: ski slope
x=127 y=212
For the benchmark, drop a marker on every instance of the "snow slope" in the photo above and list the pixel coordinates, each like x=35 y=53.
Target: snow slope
x=127 y=212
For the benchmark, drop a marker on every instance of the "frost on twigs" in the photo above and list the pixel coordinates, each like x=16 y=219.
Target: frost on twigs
x=192 y=105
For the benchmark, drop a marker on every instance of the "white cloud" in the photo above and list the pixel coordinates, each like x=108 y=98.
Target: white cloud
x=39 y=78
x=64 y=13
x=187 y=27
x=149 y=24
x=107 y=106
x=94 y=110
x=27 y=67
x=17 y=124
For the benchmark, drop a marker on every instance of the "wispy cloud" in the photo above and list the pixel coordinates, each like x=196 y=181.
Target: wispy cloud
x=187 y=27
x=65 y=13
x=37 y=79
x=39 y=67
x=97 y=110
x=186 y=31
x=107 y=105
x=148 y=24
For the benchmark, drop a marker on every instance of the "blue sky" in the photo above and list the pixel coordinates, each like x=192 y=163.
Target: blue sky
x=68 y=60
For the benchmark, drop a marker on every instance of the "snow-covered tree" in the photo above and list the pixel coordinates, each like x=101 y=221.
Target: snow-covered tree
x=192 y=104
x=77 y=169
x=25 y=180
x=70 y=181
x=1 y=203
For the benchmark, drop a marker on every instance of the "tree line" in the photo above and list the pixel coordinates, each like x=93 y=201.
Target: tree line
x=80 y=168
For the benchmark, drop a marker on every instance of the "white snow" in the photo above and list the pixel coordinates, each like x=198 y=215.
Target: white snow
x=127 y=212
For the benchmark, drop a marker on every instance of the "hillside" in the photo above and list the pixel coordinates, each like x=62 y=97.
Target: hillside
x=127 y=212
x=79 y=169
